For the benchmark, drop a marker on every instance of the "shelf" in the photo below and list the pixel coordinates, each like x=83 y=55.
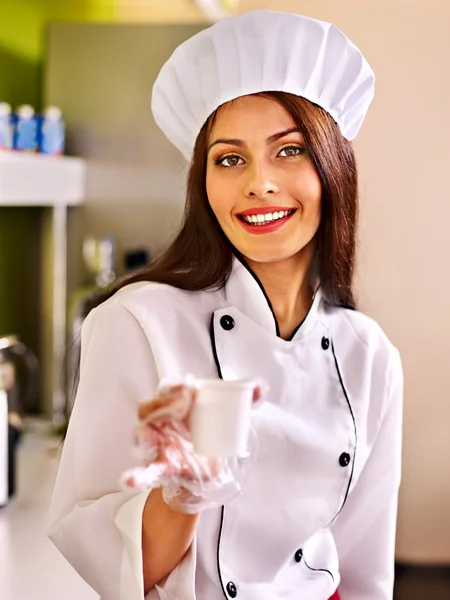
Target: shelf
x=41 y=180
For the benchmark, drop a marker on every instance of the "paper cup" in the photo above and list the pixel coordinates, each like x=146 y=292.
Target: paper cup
x=220 y=417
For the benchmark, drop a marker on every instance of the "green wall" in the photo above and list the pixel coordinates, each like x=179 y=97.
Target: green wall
x=22 y=39
x=22 y=44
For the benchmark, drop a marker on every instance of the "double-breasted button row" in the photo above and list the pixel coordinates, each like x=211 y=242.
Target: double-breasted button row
x=227 y=323
x=345 y=458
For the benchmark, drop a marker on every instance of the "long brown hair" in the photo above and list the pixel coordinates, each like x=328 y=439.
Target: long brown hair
x=200 y=257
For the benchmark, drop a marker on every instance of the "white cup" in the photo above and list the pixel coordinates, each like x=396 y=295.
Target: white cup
x=220 y=417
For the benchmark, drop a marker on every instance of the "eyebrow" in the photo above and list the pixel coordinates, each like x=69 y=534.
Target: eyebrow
x=270 y=140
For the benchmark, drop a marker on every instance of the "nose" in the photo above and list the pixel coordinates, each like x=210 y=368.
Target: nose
x=260 y=182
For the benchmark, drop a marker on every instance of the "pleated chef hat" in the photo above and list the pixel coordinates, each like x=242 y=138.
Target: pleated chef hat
x=261 y=51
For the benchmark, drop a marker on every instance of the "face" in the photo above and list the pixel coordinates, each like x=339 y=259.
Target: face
x=261 y=183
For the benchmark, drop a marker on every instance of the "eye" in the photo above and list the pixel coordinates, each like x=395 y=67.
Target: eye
x=231 y=160
x=292 y=151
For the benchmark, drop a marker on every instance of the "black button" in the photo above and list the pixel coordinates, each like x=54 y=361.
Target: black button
x=231 y=589
x=298 y=555
x=344 y=459
x=227 y=322
x=325 y=343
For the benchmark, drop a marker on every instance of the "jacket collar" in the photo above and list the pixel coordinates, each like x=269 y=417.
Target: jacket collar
x=245 y=291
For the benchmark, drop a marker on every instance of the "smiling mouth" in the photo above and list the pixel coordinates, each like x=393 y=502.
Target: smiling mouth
x=259 y=220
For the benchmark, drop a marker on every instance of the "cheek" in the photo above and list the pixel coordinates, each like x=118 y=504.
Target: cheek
x=309 y=193
x=218 y=198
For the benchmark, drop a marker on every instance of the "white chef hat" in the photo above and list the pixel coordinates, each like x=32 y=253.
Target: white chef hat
x=261 y=51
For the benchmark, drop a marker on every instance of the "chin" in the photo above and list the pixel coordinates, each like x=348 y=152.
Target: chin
x=271 y=251
x=265 y=255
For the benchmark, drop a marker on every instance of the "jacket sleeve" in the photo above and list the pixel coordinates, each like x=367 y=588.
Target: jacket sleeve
x=365 y=530
x=94 y=524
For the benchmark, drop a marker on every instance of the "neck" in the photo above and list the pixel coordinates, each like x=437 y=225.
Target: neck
x=288 y=288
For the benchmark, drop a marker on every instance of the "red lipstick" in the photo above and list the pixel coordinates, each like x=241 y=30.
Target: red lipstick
x=264 y=210
x=260 y=227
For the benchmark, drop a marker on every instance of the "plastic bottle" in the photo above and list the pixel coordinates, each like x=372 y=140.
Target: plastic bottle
x=6 y=127
x=26 y=130
x=52 y=132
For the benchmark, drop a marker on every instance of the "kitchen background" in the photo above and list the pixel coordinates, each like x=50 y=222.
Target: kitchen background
x=97 y=60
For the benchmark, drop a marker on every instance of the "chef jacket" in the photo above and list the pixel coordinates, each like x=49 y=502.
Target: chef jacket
x=318 y=509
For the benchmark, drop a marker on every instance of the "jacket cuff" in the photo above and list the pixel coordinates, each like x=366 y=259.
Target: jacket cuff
x=128 y=521
x=179 y=584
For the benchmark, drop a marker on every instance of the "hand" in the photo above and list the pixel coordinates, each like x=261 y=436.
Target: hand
x=190 y=482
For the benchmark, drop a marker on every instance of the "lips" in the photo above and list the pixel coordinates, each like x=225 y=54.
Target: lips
x=260 y=219
x=264 y=210
x=257 y=222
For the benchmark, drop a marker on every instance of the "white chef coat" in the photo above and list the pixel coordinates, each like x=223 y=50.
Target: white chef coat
x=318 y=510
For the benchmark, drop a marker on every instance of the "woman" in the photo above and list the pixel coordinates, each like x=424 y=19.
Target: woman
x=258 y=284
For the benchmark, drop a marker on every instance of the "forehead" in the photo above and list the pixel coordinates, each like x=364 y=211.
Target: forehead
x=257 y=115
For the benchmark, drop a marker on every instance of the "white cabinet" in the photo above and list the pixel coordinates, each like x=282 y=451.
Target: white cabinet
x=39 y=180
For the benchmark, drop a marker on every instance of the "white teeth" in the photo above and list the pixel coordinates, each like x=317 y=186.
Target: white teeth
x=262 y=219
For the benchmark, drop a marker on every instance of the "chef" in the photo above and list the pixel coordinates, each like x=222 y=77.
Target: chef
x=257 y=284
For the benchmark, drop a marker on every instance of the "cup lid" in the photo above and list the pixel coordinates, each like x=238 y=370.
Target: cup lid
x=5 y=109
x=25 y=111
x=223 y=383
x=53 y=113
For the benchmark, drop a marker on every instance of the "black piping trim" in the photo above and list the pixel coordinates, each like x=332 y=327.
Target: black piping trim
x=277 y=327
x=219 y=372
x=218 y=552
x=212 y=335
x=319 y=570
x=354 y=426
x=305 y=317
x=255 y=277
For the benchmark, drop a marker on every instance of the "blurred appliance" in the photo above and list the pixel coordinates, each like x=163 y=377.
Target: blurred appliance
x=19 y=384
x=100 y=259
x=136 y=259
x=19 y=375
x=4 y=448
x=99 y=255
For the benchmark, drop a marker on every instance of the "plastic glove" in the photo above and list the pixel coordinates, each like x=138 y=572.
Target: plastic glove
x=163 y=443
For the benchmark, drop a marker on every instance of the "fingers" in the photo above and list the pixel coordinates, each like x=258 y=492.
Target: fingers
x=174 y=402
x=145 y=410
x=257 y=393
x=260 y=392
